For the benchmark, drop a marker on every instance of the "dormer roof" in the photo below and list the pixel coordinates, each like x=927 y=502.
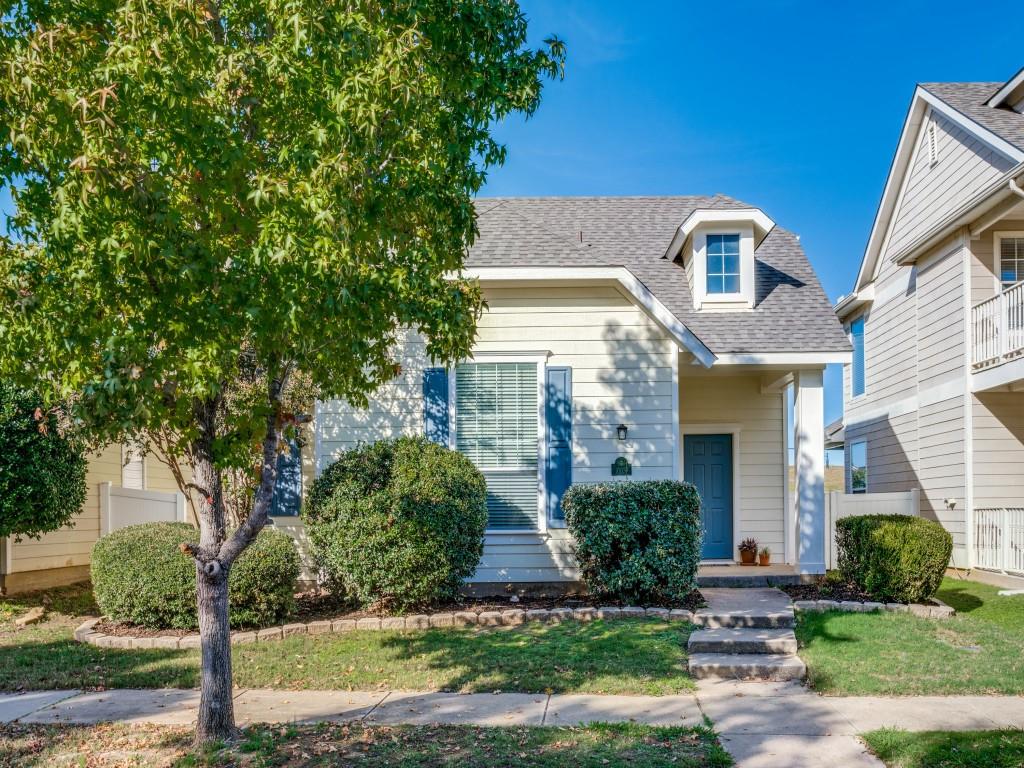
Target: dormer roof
x=791 y=312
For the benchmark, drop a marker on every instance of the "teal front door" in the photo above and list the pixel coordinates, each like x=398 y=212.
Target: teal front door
x=707 y=463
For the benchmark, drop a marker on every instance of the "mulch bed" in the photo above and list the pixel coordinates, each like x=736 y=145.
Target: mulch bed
x=827 y=590
x=832 y=590
x=313 y=606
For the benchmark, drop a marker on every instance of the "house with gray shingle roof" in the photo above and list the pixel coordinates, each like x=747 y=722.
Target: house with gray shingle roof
x=934 y=394
x=626 y=338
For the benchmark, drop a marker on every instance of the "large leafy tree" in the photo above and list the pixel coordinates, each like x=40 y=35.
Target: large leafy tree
x=195 y=178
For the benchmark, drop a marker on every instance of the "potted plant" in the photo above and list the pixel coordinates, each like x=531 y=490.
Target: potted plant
x=764 y=557
x=748 y=551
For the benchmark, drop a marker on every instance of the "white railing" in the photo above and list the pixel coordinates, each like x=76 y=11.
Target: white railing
x=998 y=327
x=999 y=539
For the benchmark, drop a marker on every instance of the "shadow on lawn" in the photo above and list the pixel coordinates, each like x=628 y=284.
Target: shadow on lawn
x=960 y=598
x=63 y=663
x=536 y=658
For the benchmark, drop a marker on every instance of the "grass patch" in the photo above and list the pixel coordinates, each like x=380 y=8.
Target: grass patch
x=622 y=656
x=979 y=651
x=604 y=746
x=941 y=749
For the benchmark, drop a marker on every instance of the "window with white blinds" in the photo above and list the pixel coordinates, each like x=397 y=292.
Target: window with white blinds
x=133 y=468
x=496 y=428
x=1011 y=261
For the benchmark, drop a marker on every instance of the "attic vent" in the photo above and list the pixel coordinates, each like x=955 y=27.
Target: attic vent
x=933 y=145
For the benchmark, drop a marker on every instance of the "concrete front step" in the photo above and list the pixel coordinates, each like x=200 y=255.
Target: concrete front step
x=747 y=666
x=747 y=641
x=751 y=619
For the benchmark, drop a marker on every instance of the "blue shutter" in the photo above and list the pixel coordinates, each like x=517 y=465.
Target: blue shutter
x=435 y=405
x=558 y=414
x=857 y=369
x=288 y=489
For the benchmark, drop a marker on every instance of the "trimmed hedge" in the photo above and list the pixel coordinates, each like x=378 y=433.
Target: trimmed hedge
x=397 y=523
x=636 y=541
x=140 y=576
x=42 y=472
x=894 y=558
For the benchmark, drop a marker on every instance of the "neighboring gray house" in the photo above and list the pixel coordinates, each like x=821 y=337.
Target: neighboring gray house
x=934 y=396
x=626 y=338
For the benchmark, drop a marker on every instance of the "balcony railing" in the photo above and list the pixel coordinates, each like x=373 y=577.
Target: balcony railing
x=999 y=539
x=998 y=327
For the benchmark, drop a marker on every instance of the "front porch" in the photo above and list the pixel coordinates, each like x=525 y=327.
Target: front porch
x=735 y=575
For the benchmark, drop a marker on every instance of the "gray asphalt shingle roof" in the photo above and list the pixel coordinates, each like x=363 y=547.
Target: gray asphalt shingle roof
x=791 y=312
x=969 y=100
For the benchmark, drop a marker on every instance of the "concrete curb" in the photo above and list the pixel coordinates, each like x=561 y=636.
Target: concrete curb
x=86 y=632
x=940 y=611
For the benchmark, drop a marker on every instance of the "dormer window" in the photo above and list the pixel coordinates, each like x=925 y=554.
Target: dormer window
x=723 y=263
x=716 y=245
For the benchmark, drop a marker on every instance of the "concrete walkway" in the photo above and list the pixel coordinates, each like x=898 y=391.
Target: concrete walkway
x=763 y=725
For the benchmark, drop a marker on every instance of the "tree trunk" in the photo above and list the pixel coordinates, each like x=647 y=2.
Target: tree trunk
x=216 y=720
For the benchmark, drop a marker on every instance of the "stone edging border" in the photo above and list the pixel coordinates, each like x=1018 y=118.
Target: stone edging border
x=940 y=611
x=86 y=633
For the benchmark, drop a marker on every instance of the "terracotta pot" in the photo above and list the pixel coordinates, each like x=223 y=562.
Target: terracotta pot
x=747 y=558
x=764 y=559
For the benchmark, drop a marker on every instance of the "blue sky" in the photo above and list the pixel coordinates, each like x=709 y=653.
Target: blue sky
x=795 y=107
x=792 y=106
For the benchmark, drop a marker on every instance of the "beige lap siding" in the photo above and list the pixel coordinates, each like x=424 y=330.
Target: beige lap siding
x=71 y=545
x=621 y=374
x=709 y=400
x=998 y=449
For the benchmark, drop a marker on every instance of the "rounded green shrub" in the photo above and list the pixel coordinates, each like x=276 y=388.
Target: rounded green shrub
x=636 y=541
x=42 y=472
x=894 y=558
x=140 y=576
x=397 y=523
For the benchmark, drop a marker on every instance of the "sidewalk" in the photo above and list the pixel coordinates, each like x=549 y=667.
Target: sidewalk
x=760 y=724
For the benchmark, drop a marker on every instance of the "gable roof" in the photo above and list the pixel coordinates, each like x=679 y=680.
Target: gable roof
x=966 y=104
x=791 y=312
x=971 y=100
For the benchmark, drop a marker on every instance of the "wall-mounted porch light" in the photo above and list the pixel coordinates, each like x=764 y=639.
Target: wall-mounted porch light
x=622 y=430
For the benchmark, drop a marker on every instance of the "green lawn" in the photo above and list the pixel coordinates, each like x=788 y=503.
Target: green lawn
x=598 y=746
x=625 y=656
x=979 y=651
x=940 y=749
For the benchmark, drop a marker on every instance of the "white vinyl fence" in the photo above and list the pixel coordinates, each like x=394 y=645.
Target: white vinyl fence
x=839 y=505
x=999 y=539
x=121 y=507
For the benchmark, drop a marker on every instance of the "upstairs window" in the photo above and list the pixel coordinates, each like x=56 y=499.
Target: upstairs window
x=723 y=253
x=1011 y=261
x=857 y=369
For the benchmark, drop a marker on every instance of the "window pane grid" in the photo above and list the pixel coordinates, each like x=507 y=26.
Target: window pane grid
x=1011 y=261
x=723 y=263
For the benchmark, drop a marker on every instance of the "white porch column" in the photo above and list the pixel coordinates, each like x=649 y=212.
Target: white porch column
x=809 y=441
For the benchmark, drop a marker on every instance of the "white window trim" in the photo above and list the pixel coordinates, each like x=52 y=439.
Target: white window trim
x=866 y=478
x=720 y=429
x=540 y=358
x=745 y=297
x=997 y=266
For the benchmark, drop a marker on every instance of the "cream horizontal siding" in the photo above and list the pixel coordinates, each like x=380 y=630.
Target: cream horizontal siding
x=891 y=452
x=71 y=545
x=621 y=373
x=984 y=284
x=998 y=449
x=931 y=192
x=941 y=330
x=941 y=468
x=737 y=400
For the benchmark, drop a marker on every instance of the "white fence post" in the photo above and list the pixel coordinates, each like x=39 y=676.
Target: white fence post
x=105 y=508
